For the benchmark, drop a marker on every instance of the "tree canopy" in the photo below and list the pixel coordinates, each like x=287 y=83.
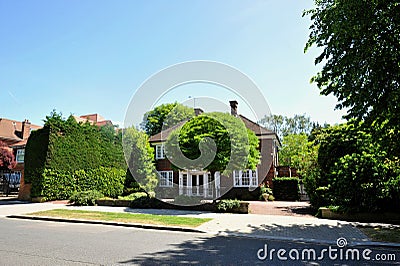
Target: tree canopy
x=7 y=158
x=235 y=147
x=360 y=41
x=139 y=156
x=284 y=125
x=165 y=115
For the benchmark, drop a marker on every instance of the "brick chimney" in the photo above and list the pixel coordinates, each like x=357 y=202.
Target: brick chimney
x=234 y=105
x=198 y=111
x=26 y=129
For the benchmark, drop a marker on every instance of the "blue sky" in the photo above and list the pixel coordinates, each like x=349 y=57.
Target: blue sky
x=90 y=56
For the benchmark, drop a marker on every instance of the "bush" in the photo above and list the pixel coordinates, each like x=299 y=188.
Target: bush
x=133 y=196
x=61 y=184
x=228 y=205
x=286 y=188
x=187 y=200
x=265 y=190
x=85 y=198
x=65 y=156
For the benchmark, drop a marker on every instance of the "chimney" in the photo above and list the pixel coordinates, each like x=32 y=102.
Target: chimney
x=26 y=129
x=198 y=111
x=234 y=105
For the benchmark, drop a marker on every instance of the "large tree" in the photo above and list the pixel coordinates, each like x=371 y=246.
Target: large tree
x=139 y=156
x=360 y=41
x=235 y=147
x=7 y=158
x=165 y=115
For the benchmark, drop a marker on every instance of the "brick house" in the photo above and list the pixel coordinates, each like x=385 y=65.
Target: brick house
x=243 y=184
x=93 y=119
x=15 y=134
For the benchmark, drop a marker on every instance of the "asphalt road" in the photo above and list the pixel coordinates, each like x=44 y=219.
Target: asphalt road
x=25 y=242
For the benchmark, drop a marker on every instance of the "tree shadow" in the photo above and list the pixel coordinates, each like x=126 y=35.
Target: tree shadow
x=242 y=250
x=299 y=210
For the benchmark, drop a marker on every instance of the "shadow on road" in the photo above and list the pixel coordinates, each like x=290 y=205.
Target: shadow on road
x=222 y=250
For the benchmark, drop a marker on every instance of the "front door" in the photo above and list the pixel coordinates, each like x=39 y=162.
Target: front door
x=198 y=183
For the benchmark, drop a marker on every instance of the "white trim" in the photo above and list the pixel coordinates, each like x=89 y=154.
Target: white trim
x=159 y=150
x=245 y=178
x=201 y=185
x=20 y=153
x=166 y=178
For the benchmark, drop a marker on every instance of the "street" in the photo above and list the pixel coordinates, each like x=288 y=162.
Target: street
x=48 y=243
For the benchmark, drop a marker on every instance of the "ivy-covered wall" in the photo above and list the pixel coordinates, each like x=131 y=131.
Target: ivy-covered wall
x=65 y=156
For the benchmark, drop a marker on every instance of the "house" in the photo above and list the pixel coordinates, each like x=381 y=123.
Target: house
x=15 y=134
x=93 y=119
x=242 y=184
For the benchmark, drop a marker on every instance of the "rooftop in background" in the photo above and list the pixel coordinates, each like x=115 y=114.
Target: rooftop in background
x=16 y=133
x=93 y=119
x=260 y=131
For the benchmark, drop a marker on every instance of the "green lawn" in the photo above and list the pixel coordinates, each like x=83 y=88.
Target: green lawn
x=124 y=217
x=382 y=234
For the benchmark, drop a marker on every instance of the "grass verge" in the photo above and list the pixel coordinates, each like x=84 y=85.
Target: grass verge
x=167 y=220
x=382 y=234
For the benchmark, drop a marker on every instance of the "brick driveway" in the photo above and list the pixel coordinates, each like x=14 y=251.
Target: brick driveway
x=286 y=208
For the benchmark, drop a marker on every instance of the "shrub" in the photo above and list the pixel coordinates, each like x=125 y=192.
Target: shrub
x=228 y=205
x=65 y=156
x=186 y=200
x=133 y=196
x=286 y=188
x=265 y=190
x=85 y=198
x=61 y=185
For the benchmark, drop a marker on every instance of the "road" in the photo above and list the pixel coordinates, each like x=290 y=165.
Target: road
x=24 y=242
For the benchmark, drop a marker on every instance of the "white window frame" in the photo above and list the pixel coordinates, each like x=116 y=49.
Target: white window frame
x=20 y=152
x=245 y=178
x=166 y=178
x=160 y=154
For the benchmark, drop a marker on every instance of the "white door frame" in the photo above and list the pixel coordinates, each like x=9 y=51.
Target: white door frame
x=185 y=177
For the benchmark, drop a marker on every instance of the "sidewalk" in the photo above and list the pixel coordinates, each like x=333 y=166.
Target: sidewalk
x=295 y=228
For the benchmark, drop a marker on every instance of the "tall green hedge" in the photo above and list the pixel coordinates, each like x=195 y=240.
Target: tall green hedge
x=286 y=188
x=65 y=156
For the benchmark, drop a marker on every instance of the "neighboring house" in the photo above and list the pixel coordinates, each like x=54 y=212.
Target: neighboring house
x=242 y=184
x=93 y=119
x=15 y=134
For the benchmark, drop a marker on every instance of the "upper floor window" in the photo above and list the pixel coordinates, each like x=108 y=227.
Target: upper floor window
x=160 y=151
x=20 y=155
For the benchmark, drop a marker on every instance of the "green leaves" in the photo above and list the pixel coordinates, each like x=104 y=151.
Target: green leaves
x=65 y=147
x=139 y=156
x=166 y=115
x=235 y=146
x=361 y=54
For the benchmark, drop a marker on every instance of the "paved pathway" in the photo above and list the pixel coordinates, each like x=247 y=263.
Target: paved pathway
x=301 y=228
x=298 y=208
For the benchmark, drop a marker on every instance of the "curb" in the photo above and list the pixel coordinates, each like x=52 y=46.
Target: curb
x=142 y=226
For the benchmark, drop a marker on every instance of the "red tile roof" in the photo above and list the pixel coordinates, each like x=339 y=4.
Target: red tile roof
x=260 y=131
x=11 y=131
x=93 y=119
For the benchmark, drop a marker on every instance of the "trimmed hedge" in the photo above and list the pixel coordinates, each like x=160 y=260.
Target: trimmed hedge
x=61 y=185
x=65 y=156
x=286 y=188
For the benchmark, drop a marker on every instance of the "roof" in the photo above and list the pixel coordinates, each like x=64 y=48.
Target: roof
x=11 y=131
x=260 y=131
x=163 y=135
x=93 y=119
